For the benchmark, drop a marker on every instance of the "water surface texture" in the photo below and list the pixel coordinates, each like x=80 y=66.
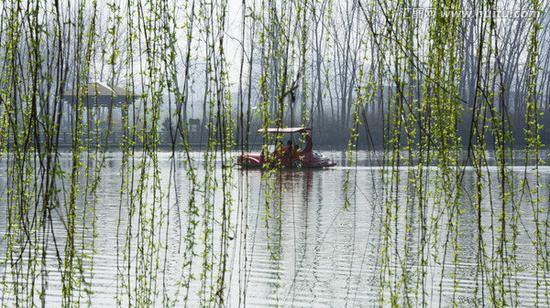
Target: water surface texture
x=291 y=238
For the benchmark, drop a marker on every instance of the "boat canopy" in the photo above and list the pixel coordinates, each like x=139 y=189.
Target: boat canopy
x=281 y=130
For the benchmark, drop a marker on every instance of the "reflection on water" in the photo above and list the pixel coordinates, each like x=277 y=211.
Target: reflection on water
x=301 y=246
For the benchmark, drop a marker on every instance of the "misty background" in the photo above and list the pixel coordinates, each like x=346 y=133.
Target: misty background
x=307 y=63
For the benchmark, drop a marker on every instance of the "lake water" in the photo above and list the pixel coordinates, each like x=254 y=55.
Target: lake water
x=293 y=238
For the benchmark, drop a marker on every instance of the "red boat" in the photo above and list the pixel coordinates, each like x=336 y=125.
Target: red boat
x=289 y=156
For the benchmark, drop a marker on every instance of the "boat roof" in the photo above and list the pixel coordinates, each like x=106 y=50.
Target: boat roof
x=285 y=130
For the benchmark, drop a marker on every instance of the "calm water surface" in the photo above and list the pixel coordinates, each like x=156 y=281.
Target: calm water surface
x=303 y=248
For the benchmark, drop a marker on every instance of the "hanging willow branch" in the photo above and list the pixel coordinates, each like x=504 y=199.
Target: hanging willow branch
x=449 y=105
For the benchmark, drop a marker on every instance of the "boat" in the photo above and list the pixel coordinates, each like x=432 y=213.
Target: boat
x=289 y=156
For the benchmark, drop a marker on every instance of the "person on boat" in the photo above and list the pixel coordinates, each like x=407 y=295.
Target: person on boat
x=279 y=149
x=288 y=149
x=286 y=157
x=307 y=152
x=262 y=156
